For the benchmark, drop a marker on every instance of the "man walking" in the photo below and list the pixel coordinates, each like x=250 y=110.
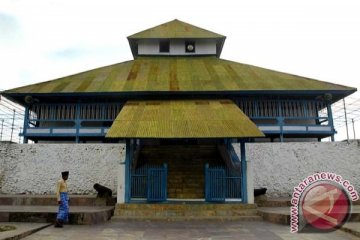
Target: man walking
x=63 y=200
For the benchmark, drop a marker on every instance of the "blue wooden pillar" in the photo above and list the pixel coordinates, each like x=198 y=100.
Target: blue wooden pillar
x=207 y=186
x=306 y=108
x=77 y=122
x=127 y=171
x=281 y=122
x=243 y=172
x=26 y=124
x=256 y=112
x=330 y=120
x=279 y=108
x=280 y=119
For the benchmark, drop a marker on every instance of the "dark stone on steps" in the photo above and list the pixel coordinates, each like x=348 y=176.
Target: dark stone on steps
x=103 y=192
x=259 y=191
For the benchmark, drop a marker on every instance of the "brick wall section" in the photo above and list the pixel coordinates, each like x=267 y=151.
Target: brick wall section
x=30 y=168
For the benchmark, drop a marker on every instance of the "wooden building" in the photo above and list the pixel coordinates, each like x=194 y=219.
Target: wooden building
x=180 y=108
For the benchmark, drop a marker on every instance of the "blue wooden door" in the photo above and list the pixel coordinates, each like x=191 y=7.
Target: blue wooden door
x=157 y=184
x=215 y=188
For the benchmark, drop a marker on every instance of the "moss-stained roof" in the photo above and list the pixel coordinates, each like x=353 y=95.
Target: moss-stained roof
x=175 y=29
x=182 y=119
x=181 y=74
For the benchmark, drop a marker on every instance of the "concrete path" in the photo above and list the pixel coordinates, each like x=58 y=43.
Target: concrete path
x=157 y=230
x=22 y=230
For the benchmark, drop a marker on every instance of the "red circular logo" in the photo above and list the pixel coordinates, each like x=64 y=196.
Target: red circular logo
x=325 y=206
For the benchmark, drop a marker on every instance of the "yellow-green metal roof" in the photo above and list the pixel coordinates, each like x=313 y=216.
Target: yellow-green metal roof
x=182 y=119
x=175 y=29
x=177 y=74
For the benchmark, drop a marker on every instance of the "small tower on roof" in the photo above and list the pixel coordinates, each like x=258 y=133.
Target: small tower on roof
x=176 y=38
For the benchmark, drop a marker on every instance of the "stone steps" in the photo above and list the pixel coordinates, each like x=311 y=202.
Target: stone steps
x=47 y=214
x=281 y=215
x=185 y=166
x=282 y=202
x=180 y=213
x=186 y=211
x=48 y=200
x=186 y=195
x=183 y=205
x=184 y=189
x=187 y=182
x=275 y=202
x=278 y=211
x=43 y=208
x=188 y=218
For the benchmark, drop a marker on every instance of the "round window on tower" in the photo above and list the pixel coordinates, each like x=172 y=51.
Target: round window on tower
x=189 y=46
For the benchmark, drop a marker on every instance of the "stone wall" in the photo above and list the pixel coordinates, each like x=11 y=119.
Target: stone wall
x=35 y=168
x=282 y=166
x=29 y=168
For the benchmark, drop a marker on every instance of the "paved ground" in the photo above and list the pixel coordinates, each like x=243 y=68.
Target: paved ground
x=22 y=229
x=158 y=230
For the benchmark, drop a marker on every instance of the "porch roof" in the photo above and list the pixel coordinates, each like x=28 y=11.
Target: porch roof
x=182 y=119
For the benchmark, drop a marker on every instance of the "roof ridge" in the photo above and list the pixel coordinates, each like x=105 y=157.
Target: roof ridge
x=175 y=29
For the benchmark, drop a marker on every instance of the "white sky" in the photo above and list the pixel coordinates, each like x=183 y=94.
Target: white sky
x=45 y=39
